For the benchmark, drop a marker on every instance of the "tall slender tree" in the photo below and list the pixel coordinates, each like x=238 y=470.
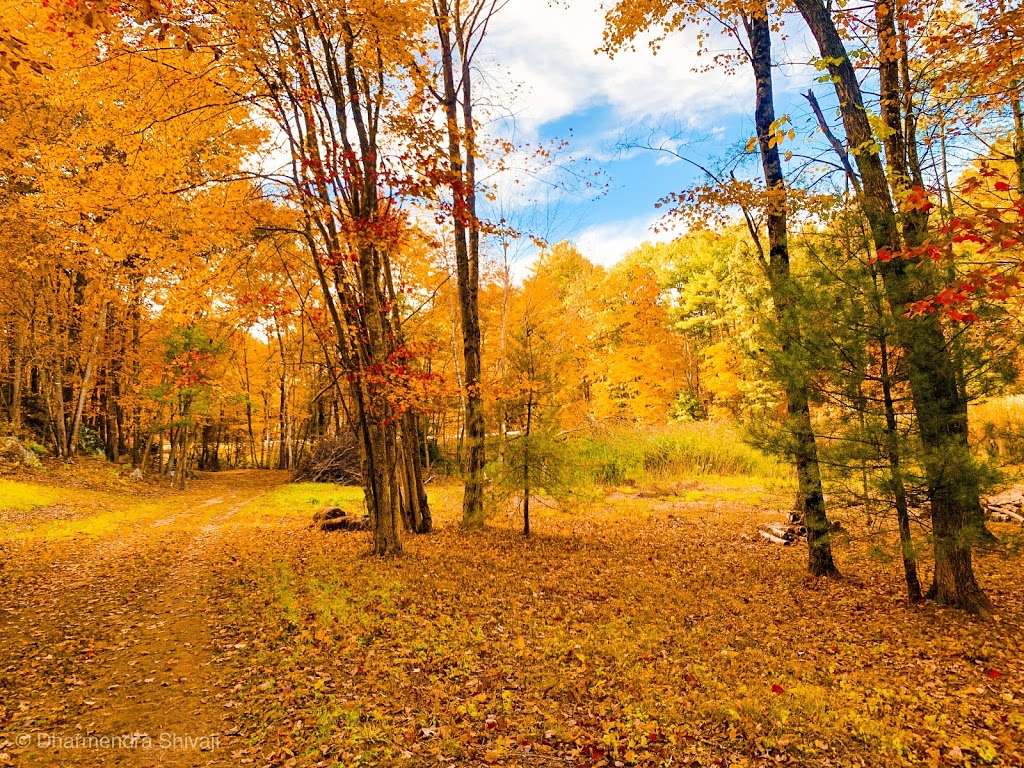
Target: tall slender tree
x=803 y=445
x=461 y=29
x=332 y=79
x=749 y=24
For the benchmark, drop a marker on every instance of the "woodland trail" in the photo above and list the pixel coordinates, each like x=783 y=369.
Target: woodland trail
x=107 y=643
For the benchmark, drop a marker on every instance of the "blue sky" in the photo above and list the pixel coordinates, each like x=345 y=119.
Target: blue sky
x=540 y=71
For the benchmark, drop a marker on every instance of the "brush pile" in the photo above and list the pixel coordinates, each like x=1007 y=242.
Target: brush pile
x=331 y=460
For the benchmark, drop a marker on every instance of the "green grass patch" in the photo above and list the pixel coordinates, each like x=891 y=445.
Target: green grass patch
x=302 y=500
x=282 y=587
x=101 y=524
x=20 y=496
x=682 y=450
x=112 y=516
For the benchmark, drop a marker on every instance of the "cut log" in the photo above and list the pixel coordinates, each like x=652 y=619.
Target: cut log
x=1005 y=516
x=767 y=535
x=329 y=513
x=782 y=531
x=1005 y=507
x=346 y=524
x=337 y=519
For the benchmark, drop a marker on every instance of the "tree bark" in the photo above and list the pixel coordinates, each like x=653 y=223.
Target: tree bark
x=892 y=453
x=461 y=141
x=86 y=384
x=803 y=444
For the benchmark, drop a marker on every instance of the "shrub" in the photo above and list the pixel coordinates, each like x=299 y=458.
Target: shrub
x=553 y=470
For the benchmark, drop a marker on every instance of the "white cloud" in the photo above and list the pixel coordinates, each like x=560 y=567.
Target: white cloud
x=607 y=243
x=549 y=51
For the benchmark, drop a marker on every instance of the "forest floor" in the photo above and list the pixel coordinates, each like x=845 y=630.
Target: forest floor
x=141 y=626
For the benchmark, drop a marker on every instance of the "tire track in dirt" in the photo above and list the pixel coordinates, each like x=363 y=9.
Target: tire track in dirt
x=106 y=646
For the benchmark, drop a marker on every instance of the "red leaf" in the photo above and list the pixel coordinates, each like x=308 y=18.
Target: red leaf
x=1002 y=186
x=993 y=674
x=962 y=317
x=917 y=200
x=777 y=689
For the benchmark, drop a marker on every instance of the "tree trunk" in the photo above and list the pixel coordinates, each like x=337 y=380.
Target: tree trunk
x=215 y=465
x=526 y=464
x=803 y=445
x=147 y=454
x=17 y=374
x=136 y=368
x=181 y=462
x=58 y=420
x=417 y=491
x=86 y=384
x=467 y=246
x=283 y=447
x=378 y=428
x=1018 y=140
x=892 y=452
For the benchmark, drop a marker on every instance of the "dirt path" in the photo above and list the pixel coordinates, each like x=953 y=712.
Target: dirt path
x=107 y=644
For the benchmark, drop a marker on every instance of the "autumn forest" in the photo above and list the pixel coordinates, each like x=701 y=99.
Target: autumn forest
x=332 y=435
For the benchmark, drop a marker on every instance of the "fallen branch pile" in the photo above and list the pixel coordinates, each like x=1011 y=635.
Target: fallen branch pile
x=1004 y=507
x=331 y=460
